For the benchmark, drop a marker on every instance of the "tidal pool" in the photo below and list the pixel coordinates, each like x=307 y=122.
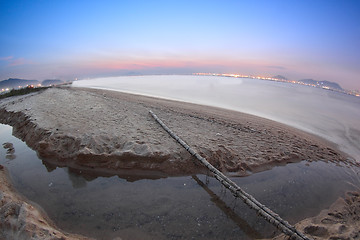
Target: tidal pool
x=187 y=207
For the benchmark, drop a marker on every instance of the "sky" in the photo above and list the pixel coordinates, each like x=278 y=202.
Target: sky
x=299 y=39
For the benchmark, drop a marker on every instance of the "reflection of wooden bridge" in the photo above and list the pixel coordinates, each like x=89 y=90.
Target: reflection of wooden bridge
x=242 y=224
x=261 y=209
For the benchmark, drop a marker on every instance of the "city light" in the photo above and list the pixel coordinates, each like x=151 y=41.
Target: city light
x=350 y=92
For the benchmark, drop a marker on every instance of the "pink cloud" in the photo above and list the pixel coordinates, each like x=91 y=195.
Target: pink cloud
x=14 y=61
x=135 y=65
x=146 y=63
x=8 y=58
x=17 y=62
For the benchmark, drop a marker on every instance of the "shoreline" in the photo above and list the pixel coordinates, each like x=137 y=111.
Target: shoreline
x=326 y=114
x=123 y=135
x=58 y=129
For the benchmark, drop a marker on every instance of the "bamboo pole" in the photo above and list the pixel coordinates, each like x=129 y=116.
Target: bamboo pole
x=261 y=209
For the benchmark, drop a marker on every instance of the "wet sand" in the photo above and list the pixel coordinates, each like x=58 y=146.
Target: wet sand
x=110 y=131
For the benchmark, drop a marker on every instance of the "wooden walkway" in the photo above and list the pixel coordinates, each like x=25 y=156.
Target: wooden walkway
x=249 y=200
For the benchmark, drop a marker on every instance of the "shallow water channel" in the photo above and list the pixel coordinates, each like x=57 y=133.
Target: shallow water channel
x=188 y=207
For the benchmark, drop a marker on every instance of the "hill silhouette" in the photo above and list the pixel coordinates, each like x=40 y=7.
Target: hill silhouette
x=17 y=83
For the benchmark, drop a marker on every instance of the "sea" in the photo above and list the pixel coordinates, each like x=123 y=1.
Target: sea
x=331 y=115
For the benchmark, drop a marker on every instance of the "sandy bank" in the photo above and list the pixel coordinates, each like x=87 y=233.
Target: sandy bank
x=109 y=131
x=340 y=221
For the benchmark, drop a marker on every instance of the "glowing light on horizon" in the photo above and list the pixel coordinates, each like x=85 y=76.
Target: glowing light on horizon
x=350 y=92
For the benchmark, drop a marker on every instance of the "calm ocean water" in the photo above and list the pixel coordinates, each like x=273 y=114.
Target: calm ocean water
x=331 y=115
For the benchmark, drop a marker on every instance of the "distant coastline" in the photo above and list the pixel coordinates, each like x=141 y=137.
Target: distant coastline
x=17 y=83
x=327 y=85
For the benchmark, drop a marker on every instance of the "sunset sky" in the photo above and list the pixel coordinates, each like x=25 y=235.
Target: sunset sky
x=83 y=39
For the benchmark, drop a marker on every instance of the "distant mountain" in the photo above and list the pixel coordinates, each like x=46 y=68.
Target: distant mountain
x=280 y=77
x=332 y=85
x=325 y=84
x=50 y=82
x=308 y=81
x=16 y=82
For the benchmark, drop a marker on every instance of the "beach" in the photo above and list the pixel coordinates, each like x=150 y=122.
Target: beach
x=107 y=132
x=87 y=128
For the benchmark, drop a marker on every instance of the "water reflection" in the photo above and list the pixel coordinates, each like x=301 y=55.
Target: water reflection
x=88 y=173
x=10 y=151
x=77 y=180
x=241 y=223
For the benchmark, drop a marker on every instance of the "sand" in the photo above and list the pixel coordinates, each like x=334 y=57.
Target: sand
x=340 y=221
x=108 y=131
